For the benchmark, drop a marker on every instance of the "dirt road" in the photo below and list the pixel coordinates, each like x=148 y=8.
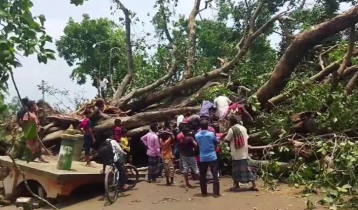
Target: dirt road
x=160 y=197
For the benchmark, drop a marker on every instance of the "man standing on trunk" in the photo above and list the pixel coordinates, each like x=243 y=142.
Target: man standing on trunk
x=221 y=104
x=103 y=82
x=207 y=146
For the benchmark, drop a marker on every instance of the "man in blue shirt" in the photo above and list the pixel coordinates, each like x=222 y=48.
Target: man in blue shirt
x=207 y=143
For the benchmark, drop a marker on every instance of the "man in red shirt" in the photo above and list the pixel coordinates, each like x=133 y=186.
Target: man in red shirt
x=86 y=128
x=117 y=132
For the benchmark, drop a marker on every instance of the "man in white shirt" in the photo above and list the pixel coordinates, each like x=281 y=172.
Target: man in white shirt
x=221 y=104
x=103 y=82
x=180 y=119
x=238 y=138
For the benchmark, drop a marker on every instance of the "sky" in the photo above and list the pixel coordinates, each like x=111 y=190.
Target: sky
x=57 y=12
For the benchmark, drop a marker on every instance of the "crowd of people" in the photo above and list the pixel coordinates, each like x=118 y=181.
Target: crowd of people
x=194 y=141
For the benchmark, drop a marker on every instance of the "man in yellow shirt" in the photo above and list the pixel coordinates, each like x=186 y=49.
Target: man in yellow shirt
x=125 y=145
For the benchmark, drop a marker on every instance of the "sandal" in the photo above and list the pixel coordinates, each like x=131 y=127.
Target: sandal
x=235 y=189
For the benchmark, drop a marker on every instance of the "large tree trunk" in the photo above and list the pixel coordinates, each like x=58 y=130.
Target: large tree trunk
x=173 y=90
x=145 y=118
x=301 y=45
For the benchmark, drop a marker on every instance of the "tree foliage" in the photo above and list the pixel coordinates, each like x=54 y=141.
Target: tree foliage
x=21 y=33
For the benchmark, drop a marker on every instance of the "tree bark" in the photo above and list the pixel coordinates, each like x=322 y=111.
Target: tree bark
x=351 y=84
x=348 y=55
x=123 y=101
x=203 y=79
x=130 y=63
x=301 y=45
x=191 y=58
x=349 y=71
x=138 y=131
x=191 y=100
x=144 y=118
x=317 y=77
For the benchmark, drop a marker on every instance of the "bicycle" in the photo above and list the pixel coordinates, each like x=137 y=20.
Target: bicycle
x=112 y=177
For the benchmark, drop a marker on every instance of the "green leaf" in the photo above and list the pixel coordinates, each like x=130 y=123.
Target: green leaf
x=347 y=186
x=30 y=131
x=3 y=13
x=42 y=19
x=328 y=200
x=334 y=193
x=342 y=190
x=27 y=154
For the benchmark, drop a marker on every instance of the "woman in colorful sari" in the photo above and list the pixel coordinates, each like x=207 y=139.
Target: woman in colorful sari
x=33 y=144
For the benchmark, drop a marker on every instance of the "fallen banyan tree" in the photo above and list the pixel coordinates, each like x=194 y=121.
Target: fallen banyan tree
x=161 y=100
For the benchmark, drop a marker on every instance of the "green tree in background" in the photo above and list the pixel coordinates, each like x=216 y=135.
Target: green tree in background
x=97 y=48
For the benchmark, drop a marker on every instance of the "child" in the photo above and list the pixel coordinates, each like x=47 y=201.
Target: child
x=167 y=155
x=187 y=151
x=86 y=128
x=117 y=132
x=125 y=145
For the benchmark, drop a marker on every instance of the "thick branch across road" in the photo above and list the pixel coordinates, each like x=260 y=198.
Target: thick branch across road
x=299 y=47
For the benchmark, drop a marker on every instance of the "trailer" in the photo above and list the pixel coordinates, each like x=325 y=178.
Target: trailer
x=50 y=182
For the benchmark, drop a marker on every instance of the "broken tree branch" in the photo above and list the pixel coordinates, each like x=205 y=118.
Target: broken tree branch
x=315 y=78
x=348 y=56
x=255 y=16
x=191 y=56
x=298 y=48
x=207 y=3
x=351 y=84
x=145 y=118
x=193 y=98
x=123 y=101
x=137 y=92
x=202 y=79
x=130 y=63
x=349 y=71
x=323 y=57
x=165 y=24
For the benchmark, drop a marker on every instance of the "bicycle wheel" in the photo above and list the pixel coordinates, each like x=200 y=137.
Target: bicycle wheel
x=110 y=184
x=132 y=175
